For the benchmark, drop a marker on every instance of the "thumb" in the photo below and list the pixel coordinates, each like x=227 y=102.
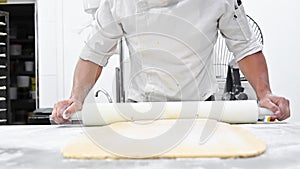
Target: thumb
x=72 y=109
x=68 y=112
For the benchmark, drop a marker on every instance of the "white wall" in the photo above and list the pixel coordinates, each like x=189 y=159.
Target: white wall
x=279 y=21
x=49 y=57
x=74 y=18
x=60 y=44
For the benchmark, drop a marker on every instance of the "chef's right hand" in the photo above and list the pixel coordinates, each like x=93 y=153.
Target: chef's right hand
x=69 y=106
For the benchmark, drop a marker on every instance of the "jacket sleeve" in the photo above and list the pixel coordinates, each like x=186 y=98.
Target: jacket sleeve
x=238 y=34
x=104 y=36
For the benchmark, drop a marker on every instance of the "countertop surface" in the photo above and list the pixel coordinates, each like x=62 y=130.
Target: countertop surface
x=26 y=147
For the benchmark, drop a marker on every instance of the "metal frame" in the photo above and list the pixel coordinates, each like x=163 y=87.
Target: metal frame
x=120 y=92
x=119 y=73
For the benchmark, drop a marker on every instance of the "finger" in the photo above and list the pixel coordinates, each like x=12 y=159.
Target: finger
x=280 y=117
x=60 y=111
x=283 y=105
x=283 y=117
x=57 y=119
x=54 y=114
x=73 y=108
x=61 y=108
x=284 y=114
x=286 y=108
x=287 y=116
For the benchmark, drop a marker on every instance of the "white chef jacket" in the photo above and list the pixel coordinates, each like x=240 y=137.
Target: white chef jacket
x=171 y=44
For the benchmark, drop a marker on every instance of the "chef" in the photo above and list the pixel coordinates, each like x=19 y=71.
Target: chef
x=171 y=49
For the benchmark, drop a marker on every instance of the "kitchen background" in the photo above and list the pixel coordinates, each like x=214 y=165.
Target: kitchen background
x=53 y=43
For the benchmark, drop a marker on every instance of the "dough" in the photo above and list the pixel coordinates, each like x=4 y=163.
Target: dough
x=226 y=141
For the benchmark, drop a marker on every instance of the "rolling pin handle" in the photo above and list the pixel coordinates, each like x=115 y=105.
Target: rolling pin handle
x=65 y=115
x=263 y=112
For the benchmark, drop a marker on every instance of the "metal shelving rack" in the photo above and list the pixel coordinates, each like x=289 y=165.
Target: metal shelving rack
x=4 y=68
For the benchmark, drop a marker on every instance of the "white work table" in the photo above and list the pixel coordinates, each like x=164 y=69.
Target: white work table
x=30 y=147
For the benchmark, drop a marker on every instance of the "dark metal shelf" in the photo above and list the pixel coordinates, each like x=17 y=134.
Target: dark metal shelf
x=21 y=41
x=24 y=104
x=5 y=63
x=22 y=57
x=26 y=73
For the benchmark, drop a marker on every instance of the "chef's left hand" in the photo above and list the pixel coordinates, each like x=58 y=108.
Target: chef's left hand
x=280 y=106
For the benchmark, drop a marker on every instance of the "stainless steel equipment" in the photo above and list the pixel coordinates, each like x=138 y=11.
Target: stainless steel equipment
x=120 y=92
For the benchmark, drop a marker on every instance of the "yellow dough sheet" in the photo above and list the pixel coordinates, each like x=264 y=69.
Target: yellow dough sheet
x=147 y=140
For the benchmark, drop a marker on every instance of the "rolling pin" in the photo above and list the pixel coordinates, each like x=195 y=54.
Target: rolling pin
x=98 y=114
